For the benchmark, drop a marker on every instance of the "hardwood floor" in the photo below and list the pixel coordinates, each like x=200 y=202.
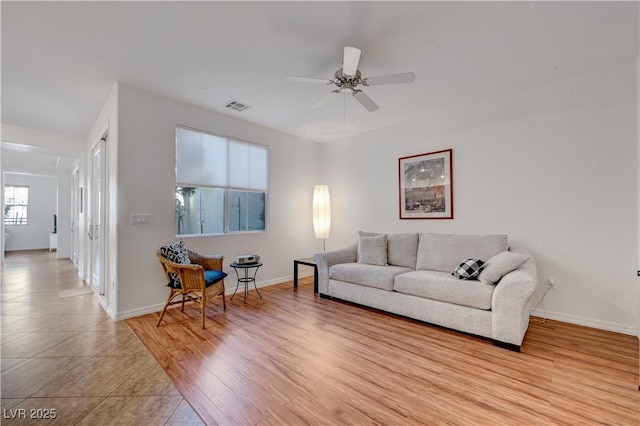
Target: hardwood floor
x=292 y=358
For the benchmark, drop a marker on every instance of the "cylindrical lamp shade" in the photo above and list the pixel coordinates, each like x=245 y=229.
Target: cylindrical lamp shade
x=321 y=211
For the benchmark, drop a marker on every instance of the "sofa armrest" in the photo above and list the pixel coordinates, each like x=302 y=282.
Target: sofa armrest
x=513 y=300
x=327 y=259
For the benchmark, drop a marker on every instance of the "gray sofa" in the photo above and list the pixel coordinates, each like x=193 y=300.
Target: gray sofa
x=410 y=274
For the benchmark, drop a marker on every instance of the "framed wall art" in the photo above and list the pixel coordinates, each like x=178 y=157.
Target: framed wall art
x=426 y=186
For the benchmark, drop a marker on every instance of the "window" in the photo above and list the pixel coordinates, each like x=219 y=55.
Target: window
x=16 y=202
x=221 y=184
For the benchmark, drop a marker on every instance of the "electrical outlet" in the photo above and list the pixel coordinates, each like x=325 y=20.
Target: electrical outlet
x=551 y=283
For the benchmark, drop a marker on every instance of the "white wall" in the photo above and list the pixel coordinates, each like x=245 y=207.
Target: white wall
x=42 y=207
x=146 y=184
x=64 y=216
x=554 y=167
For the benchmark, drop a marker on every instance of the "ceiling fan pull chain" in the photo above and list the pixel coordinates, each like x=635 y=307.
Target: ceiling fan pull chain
x=344 y=109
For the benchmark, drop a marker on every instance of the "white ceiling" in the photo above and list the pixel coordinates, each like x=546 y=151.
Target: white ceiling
x=37 y=159
x=60 y=59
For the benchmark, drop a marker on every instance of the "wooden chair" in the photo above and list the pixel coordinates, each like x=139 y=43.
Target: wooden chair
x=198 y=282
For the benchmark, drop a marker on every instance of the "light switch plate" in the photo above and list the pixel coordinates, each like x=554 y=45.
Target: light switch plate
x=140 y=219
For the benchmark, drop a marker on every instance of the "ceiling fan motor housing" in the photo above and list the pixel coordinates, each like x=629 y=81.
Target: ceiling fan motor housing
x=347 y=82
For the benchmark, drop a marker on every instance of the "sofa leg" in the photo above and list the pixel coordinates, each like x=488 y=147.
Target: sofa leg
x=324 y=296
x=509 y=346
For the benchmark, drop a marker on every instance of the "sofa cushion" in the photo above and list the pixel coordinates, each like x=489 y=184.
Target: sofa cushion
x=443 y=252
x=368 y=275
x=500 y=265
x=402 y=249
x=468 y=270
x=444 y=287
x=372 y=250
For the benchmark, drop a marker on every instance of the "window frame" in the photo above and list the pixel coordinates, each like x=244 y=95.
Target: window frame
x=6 y=204
x=225 y=189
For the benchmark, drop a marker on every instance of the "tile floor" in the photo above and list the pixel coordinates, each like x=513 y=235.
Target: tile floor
x=66 y=357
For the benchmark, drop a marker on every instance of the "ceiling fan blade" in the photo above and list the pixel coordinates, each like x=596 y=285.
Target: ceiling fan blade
x=365 y=100
x=323 y=100
x=308 y=79
x=405 y=77
x=350 y=60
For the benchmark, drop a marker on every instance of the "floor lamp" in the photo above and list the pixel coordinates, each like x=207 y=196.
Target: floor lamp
x=321 y=213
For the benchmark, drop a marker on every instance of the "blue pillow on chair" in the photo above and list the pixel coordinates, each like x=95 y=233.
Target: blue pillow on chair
x=212 y=277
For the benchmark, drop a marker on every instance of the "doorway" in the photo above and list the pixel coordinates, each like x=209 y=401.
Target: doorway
x=75 y=217
x=96 y=231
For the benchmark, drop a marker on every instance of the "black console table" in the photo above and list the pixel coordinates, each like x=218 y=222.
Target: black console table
x=309 y=261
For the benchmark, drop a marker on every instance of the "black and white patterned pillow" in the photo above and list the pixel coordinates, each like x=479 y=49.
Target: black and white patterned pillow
x=176 y=252
x=468 y=270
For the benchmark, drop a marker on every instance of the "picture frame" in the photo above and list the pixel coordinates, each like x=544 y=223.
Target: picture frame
x=426 y=185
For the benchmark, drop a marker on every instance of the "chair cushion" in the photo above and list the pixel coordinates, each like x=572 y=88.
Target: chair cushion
x=212 y=277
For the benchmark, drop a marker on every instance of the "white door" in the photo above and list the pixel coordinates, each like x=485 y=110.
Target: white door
x=75 y=216
x=96 y=217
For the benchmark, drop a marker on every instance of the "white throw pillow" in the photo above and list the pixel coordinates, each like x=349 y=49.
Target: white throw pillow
x=373 y=250
x=500 y=265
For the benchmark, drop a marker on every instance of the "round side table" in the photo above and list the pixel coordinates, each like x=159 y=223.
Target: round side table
x=246 y=279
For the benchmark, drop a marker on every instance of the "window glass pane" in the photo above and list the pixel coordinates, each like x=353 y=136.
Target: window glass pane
x=201 y=159
x=212 y=211
x=21 y=195
x=246 y=211
x=237 y=211
x=238 y=164
x=258 y=161
x=187 y=210
x=199 y=211
x=256 y=213
x=15 y=215
x=221 y=184
x=16 y=200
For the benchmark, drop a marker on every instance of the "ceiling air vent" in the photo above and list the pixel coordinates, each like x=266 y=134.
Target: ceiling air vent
x=237 y=106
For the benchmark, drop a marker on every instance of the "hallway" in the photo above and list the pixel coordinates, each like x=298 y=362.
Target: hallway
x=64 y=358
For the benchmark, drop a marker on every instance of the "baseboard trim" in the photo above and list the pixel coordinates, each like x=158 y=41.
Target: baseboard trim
x=230 y=287
x=508 y=346
x=139 y=311
x=587 y=322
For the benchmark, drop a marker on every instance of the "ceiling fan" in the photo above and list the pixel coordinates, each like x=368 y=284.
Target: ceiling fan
x=348 y=79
